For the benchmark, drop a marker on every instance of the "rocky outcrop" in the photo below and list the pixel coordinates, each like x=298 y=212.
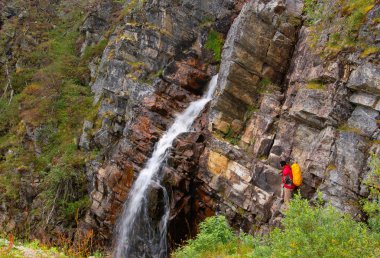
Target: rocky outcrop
x=320 y=113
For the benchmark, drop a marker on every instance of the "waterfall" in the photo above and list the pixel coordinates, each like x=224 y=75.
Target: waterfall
x=137 y=235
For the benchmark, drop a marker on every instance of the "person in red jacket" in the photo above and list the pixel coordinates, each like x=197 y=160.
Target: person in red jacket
x=287 y=180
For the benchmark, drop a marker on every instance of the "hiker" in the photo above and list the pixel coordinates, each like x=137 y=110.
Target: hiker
x=287 y=180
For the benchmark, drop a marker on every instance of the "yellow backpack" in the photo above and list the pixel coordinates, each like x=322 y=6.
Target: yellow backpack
x=297 y=174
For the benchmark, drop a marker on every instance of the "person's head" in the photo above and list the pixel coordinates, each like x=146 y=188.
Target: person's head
x=282 y=163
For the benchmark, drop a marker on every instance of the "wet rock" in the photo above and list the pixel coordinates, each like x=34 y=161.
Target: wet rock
x=190 y=74
x=155 y=202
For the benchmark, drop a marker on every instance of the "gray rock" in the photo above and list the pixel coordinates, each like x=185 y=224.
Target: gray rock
x=349 y=162
x=366 y=78
x=254 y=49
x=364 y=99
x=364 y=119
x=377 y=106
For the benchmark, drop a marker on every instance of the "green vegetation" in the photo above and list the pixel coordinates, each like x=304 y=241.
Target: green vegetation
x=231 y=136
x=40 y=127
x=369 y=51
x=267 y=86
x=315 y=85
x=215 y=43
x=15 y=249
x=342 y=21
x=216 y=239
x=95 y=50
x=346 y=128
x=250 y=111
x=308 y=231
x=372 y=205
x=132 y=6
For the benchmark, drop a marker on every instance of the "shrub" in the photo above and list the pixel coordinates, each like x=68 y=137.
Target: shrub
x=372 y=205
x=308 y=231
x=318 y=232
x=214 y=231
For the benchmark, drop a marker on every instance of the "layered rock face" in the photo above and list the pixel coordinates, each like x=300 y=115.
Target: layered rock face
x=153 y=66
x=320 y=113
x=276 y=100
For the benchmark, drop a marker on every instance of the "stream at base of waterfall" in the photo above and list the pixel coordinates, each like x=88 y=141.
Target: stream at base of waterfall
x=138 y=234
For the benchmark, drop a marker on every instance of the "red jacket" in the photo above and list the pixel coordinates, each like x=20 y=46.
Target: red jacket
x=287 y=171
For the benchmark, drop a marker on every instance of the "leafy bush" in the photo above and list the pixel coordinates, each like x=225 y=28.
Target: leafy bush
x=318 y=232
x=215 y=236
x=307 y=232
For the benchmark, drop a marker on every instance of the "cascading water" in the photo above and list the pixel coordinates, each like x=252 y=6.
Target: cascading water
x=137 y=234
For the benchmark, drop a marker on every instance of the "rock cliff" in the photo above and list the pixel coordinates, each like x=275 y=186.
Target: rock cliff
x=278 y=98
x=292 y=86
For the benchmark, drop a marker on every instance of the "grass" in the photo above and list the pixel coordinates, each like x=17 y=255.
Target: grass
x=11 y=248
x=267 y=86
x=215 y=43
x=231 y=136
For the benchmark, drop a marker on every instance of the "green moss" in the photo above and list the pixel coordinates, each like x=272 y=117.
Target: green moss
x=215 y=43
x=132 y=6
x=331 y=167
x=315 y=85
x=369 y=51
x=250 y=111
x=347 y=128
x=265 y=82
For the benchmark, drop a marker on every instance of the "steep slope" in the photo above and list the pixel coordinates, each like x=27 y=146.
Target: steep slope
x=44 y=99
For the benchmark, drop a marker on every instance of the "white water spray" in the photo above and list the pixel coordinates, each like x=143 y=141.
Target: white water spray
x=136 y=237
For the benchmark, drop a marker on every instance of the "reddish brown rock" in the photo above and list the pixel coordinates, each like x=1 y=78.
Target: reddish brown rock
x=190 y=74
